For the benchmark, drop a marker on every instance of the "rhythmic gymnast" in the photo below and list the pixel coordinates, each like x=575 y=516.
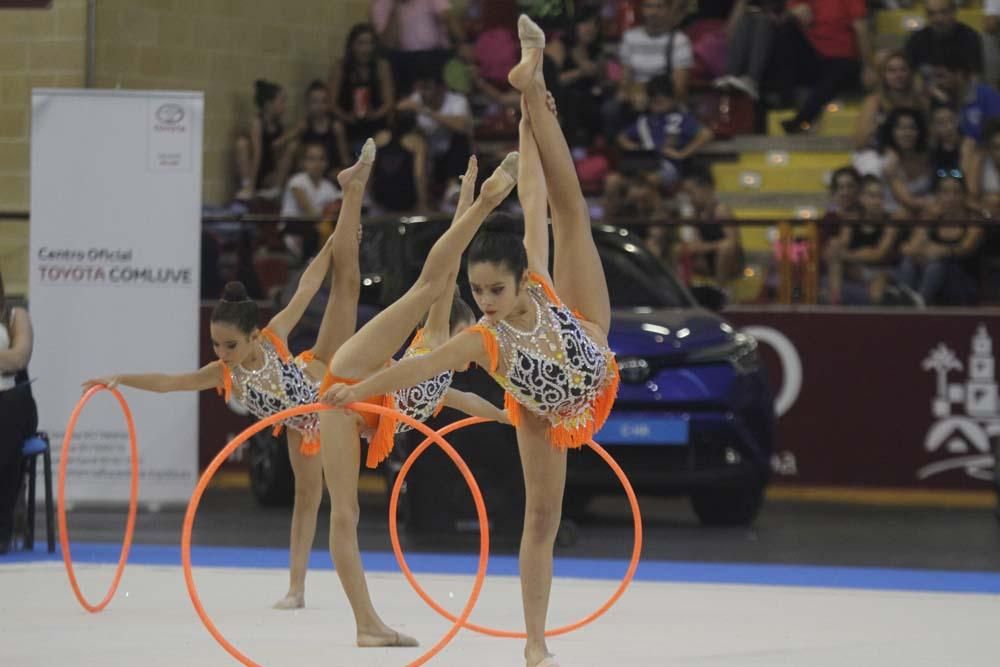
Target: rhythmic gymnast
x=371 y=349
x=255 y=367
x=545 y=344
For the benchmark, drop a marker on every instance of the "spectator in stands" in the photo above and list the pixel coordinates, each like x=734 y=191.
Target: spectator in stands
x=977 y=103
x=264 y=157
x=945 y=139
x=579 y=57
x=907 y=169
x=858 y=258
x=821 y=44
x=715 y=250
x=399 y=176
x=897 y=89
x=418 y=33
x=308 y=194
x=845 y=187
x=944 y=35
x=750 y=32
x=986 y=190
x=363 y=89
x=632 y=193
x=651 y=49
x=673 y=133
x=444 y=119
x=18 y=412
x=322 y=127
x=941 y=262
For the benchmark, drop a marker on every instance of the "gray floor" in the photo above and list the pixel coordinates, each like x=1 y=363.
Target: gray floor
x=151 y=623
x=785 y=533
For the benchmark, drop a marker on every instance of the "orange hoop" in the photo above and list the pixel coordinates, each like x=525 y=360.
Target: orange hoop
x=133 y=499
x=493 y=632
x=484 y=535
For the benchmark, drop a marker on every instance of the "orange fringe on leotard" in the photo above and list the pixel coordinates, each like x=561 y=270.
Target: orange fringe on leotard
x=384 y=438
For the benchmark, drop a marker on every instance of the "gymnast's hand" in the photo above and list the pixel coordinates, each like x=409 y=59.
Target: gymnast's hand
x=108 y=382
x=340 y=395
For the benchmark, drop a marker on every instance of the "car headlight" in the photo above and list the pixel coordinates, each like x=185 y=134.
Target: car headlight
x=743 y=356
x=740 y=351
x=634 y=370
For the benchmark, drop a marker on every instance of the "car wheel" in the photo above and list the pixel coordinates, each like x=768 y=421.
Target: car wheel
x=271 y=480
x=575 y=503
x=728 y=506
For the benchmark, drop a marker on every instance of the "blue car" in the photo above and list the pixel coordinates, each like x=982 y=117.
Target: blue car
x=694 y=414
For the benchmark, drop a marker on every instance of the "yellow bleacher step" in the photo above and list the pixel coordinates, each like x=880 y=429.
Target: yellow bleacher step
x=769 y=179
x=795 y=160
x=904 y=21
x=836 y=121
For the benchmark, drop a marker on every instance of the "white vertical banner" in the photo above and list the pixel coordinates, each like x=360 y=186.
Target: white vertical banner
x=115 y=254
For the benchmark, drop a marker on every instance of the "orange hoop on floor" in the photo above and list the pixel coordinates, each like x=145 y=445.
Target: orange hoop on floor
x=484 y=535
x=133 y=499
x=493 y=632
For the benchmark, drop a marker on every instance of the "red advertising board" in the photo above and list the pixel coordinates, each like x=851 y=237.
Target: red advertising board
x=904 y=399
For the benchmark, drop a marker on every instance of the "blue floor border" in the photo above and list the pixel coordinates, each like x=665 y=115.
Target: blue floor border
x=890 y=579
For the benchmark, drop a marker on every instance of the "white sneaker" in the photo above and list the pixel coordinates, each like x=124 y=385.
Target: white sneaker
x=745 y=84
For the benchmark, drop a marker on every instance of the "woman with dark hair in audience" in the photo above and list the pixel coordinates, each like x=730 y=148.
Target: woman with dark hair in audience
x=255 y=367
x=941 y=262
x=897 y=89
x=18 y=416
x=857 y=257
x=945 y=139
x=263 y=158
x=907 y=170
x=845 y=186
x=362 y=87
x=580 y=62
x=399 y=180
x=322 y=127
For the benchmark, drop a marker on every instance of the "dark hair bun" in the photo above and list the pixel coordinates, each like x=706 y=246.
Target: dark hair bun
x=504 y=223
x=234 y=291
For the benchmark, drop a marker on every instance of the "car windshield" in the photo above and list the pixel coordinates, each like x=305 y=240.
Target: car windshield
x=396 y=252
x=636 y=279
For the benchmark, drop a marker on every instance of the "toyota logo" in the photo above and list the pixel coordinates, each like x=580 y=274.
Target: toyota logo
x=170 y=113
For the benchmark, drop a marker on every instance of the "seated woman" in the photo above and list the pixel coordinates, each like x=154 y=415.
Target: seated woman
x=941 y=262
x=857 y=258
x=907 y=169
x=17 y=408
x=897 y=89
x=264 y=156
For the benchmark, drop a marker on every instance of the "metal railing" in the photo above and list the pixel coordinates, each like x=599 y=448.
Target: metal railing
x=796 y=247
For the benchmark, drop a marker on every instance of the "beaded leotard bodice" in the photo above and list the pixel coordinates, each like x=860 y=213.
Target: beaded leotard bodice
x=278 y=385
x=555 y=370
x=421 y=401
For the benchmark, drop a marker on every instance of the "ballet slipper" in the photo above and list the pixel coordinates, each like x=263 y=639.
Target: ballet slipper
x=531 y=36
x=291 y=601
x=503 y=180
x=368 y=152
x=548 y=662
x=360 y=170
x=529 y=70
x=396 y=640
